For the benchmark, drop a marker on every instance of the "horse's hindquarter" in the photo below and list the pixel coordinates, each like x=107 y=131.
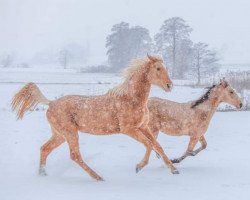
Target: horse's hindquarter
x=90 y=114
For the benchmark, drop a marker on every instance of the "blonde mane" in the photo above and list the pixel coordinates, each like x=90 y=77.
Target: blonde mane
x=135 y=67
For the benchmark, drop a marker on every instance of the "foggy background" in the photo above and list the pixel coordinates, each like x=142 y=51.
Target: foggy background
x=80 y=47
x=30 y=27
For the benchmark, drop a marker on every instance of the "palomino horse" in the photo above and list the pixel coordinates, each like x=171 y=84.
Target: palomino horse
x=122 y=109
x=190 y=119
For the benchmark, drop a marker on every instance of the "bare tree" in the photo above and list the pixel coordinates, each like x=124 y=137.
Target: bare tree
x=7 y=60
x=205 y=60
x=64 y=57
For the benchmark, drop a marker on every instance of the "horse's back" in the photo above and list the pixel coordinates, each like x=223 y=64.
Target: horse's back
x=165 y=106
x=92 y=114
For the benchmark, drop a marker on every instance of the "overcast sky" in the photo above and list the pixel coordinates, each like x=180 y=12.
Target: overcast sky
x=28 y=26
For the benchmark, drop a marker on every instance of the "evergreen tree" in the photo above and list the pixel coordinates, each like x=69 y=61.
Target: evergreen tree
x=125 y=43
x=173 y=38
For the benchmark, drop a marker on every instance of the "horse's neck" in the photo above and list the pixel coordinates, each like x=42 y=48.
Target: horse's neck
x=139 y=88
x=212 y=103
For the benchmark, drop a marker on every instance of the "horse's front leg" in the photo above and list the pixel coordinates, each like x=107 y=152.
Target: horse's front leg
x=144 y=136
x=203 y=146
x=145 y=160
x=192 y=142
x=146 y=157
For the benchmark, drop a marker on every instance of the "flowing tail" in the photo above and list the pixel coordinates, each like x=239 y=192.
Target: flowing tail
x=27 y=99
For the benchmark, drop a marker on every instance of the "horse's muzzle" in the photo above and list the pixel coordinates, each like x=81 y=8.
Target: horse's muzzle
x=169 y=86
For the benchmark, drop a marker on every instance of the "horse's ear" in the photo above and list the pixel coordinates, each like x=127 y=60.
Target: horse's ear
x=151 y=58
x=223 y=82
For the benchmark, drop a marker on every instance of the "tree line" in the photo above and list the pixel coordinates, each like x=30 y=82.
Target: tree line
x=183 y=57
x=70 y=55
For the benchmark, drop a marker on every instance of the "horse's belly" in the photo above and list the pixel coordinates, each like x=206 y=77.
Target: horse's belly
x=99 y=130
x=172 y=127
x=102 y=124
x=173 y=131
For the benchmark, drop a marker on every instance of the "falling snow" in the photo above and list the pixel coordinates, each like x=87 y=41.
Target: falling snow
x=219 y=172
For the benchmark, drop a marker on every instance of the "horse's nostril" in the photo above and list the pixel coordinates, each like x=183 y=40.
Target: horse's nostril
x=169 y=85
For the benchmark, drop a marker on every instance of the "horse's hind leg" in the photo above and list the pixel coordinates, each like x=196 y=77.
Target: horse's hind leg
x=73 y=141
x=47 y=148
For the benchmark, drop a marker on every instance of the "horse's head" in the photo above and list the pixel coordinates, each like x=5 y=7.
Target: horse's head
x=228 y=94
x=158 y=73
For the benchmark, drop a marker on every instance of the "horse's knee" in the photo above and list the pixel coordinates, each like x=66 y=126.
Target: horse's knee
x=158 y=149
x=74 y=156
x=147 y=143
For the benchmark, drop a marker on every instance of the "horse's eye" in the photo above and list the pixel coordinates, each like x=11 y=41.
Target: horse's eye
x=158 y=68
x=231 y=92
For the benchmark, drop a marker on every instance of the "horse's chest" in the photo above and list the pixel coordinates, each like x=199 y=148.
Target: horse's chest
x=137 y=114
x=134 y=116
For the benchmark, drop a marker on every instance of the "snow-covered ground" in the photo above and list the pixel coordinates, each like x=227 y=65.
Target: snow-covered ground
x=222 y=171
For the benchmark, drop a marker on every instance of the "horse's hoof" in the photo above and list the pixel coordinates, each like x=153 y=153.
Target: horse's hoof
x=175 y=171
x=42 y=171
x=137 y=169
x=98 y=178
x=175 y=161
x=192 y=154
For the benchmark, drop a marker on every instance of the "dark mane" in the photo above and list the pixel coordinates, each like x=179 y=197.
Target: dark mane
x=203 y=98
